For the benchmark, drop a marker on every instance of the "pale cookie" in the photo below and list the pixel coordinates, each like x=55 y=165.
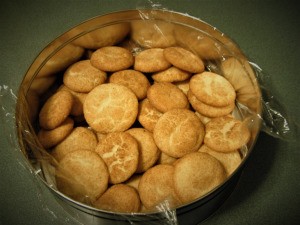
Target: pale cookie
x=153 y=34
x=166 y=96
x=82 y=175
x=151 y=60
x=50 y=138
x=212 y=89
x=148 y=151
x=112 y=59
x=120 y=152
x=104 y=36
x=119 y=198
x=207 y=110
x=184 y=86
x=157 y=186
x=134 y=80
x=78 y=100
x=83 y=77
x=196 y=174
x=172 y=74
x=165 y=159
x=148 y=115
x=230 y=160
x=184 y=59
x=110 y=108
x=178 y=132
x=81 y=138
x=226 y=134
x=55 y=110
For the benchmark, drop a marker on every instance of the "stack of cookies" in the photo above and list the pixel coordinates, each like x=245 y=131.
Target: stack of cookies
x=132 y=130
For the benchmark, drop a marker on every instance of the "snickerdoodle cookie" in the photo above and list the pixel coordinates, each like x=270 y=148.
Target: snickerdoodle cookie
x=178 y=132
x=110 y=108
x=196 y=174
x=120 y=152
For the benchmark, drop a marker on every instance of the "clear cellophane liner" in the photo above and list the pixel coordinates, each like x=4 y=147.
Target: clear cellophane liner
x=158 y=27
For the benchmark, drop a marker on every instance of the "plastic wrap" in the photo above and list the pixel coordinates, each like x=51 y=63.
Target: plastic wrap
x=137 y=30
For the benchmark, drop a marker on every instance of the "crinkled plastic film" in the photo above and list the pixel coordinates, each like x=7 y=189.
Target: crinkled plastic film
x=143 y=29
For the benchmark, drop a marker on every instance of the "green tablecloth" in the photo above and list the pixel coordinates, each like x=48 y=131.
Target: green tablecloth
x=268 y=32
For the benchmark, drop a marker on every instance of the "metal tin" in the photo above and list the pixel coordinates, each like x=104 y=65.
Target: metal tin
x=47 y=68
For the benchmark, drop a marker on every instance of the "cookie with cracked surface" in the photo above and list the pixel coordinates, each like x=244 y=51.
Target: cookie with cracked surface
x=120 y=152
x=226 y=134
x=110 y=108
x=178 y=132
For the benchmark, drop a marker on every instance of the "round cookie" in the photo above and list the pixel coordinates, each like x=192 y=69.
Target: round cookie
x=148 y=115
x=83 y=77
x=119 y=198
x=120 y=152
x=78 y=100
x=55 y=110
x=172 y=74
x=112 y=59
x=212 y=89
x=196 y=174
x=110 y=108
x=134 y=80
x=81 y=138
x=226 y=134
x=166 y=96
x=148 y=151
x=156 y=186
x=165 y=159
x=151 y=60
x=207 y=110
x=50 y=138
x=230 y=160
x=184 y=59
x=82 y=175
x=178 y=132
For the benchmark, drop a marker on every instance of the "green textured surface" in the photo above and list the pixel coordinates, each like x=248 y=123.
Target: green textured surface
x=267 y=31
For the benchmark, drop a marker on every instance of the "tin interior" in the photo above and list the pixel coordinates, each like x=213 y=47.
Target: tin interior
x=45 y=75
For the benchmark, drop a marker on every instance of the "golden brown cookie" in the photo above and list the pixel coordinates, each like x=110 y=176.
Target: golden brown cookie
x=196 y=174
x=184 y=59
x=134 y=80
x=112 y=59
x=120 y=152
x=157 y=186
x=55 y=110
x=178 y=132
x=230 y=160
x=148 y=115
x=172 y=74
x=81 y=138
x=207 y=110
x=78 y=100
x=204 y=119
x=119 y=198
x=82 y=175
x=83 y=77
x=184 y=86
x=110 y=107
x=166 y=96
x=134 y=181
x=148 y=151
x=151 y=60
x=212 y=89
x=50 y=138
x=226 y=134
